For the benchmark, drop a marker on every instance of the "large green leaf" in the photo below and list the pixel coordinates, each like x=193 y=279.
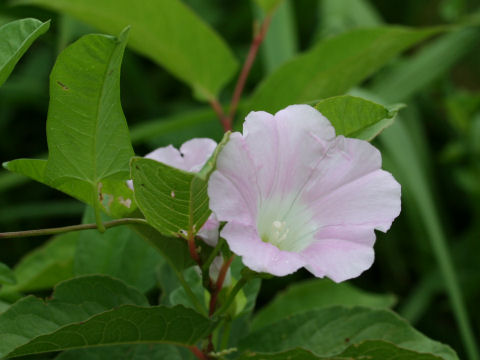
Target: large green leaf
x=125 y=352
x=317 y=293
x=87 y=133
x=6 y=275
x=173 y=201
x=44 y=267
x=15 y=39
x=73 y=301
x=329 y=331
x=118 y=197
x=126 y=324
x=356 y=117
x=86 y=130
x=166 y=31
x=334 y=65
x=338 y=16
x=119 y=252
x=371 y=350
x=94 y=311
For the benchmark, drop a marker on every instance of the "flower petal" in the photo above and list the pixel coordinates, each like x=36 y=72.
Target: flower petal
x=348 y=188
x=291 y=142
x=232 y=187
x=260 y=256
x=167 y=155
x=192 y=156
x=209 y=231
x=196 y=152
x=340 y=253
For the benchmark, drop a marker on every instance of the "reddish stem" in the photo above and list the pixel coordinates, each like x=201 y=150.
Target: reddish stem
x=198 y=353
x=217 y=107
x=193 y=250
x=219 y=284
x=242 y=79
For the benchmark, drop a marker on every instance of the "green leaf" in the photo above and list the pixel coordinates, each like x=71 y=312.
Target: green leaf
x=117 y=196
x=334 y=65
x=173 y=201
x=119 y=252
x=338 y=16
x=45 y=266
x=125 y=352
x=356 y=117
x=174 y=249
x=166 y=31
x=179 y=296
x=87 y=133
x=6 y=275
x=411 y=75
x=15 y=39
x=329 y=331
x=167 y=198
x=371 y=350
x=317 y=293
x=73 y=301
x=3 y=306
x=382 y=350
x=245 y=301
x=93 y=309
x=127 y=324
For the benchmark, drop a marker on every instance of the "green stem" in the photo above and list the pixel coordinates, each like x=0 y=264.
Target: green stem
x=225 y=334
x=238 y=286
x=63 y=229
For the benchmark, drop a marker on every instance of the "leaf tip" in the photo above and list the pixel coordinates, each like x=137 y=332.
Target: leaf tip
x=123 y=36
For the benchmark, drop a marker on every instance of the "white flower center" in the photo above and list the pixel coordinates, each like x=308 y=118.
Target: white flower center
x=285 y=223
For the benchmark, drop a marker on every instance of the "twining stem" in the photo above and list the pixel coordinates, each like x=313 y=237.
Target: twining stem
x=63 y=229
x=247 y=65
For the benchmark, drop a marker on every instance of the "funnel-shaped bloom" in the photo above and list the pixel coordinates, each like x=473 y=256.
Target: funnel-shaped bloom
x=191 y=157
x=295 y=195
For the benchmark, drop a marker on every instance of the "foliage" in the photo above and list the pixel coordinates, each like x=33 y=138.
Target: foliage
x=135 y=282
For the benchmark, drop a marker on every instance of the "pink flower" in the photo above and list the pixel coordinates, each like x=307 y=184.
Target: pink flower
x=295 y=195
x=191 y=157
